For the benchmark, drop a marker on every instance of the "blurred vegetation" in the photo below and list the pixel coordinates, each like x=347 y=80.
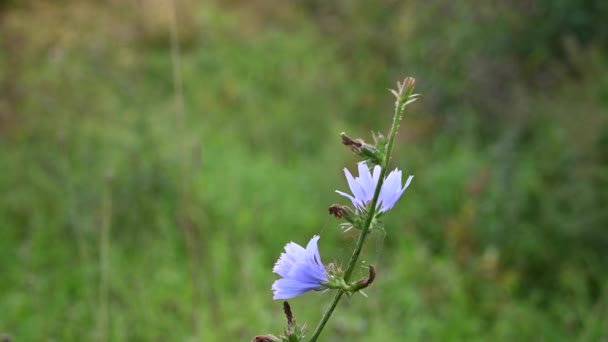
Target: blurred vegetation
x=134 y=208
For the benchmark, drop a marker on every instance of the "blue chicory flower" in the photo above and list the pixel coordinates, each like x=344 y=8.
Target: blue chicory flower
x=363 y=188
x=301 y=269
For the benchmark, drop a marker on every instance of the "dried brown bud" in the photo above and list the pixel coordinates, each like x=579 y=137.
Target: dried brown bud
x=353 y=144
x=365 y=282
x=337 y=210
x=287 y=309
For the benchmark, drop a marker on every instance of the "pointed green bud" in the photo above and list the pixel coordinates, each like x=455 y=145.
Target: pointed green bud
x=404 y=93
x=372 y=154
x=380 y=141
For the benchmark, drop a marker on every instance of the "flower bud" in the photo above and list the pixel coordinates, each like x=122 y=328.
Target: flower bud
x=365 y=282
x=342 y=211
x=294 y=332
x=404 y=93
x=265 y=338
x=364 y=150
x=336 y=280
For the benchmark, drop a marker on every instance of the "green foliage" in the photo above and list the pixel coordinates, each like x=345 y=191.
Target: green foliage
x=501 y=235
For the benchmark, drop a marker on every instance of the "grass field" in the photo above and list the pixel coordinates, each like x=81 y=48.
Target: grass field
x=154 y=166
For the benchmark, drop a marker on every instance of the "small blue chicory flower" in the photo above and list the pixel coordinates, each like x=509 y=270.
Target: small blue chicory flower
x=301 y=269
x=363 y=188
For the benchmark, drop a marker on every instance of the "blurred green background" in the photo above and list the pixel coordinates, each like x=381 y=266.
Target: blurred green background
x=157 y=155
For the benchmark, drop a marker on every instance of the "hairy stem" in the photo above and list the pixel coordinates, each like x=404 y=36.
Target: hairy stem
x=404 y=94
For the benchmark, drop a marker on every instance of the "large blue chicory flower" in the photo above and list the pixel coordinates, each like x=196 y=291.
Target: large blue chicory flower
x=363 y=188
x=301 y=269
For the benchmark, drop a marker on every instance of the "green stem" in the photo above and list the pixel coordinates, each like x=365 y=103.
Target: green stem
x=399 y=107
x=326 y=315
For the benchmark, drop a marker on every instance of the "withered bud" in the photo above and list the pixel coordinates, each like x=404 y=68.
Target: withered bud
x=366 y=151
x=264 y=338
x=338 y=210
x=287 y=309
x=354 y=145
x=365 y=282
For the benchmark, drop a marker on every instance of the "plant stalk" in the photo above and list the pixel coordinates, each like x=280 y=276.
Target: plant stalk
x=399 y=108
